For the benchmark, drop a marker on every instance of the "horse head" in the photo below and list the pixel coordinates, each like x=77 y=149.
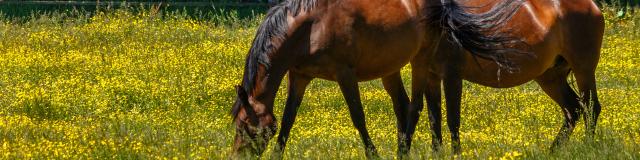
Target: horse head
x=255 y=123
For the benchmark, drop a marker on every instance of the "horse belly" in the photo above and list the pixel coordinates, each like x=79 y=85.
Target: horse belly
x=382 y=55
x=488 y=73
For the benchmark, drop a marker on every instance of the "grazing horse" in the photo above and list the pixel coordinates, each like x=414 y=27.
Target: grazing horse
x=561 y=36
x=346 y=41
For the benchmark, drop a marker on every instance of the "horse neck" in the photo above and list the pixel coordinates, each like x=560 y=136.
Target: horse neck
x=287 y=53
x=267 y=84
x=288 y=46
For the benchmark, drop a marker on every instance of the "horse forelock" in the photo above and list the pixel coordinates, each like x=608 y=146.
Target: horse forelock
x=270 y=34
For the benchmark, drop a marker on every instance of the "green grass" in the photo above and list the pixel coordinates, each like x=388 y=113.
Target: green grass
x=133 y=85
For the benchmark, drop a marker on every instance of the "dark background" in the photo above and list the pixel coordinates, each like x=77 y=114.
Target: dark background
x=244 y=8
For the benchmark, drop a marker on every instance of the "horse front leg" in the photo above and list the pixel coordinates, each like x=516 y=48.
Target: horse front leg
x=395 y=88
x=348 y=83
x=296 y=86
x=452 y=93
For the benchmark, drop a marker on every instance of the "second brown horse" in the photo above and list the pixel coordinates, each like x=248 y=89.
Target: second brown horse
x=563 y=36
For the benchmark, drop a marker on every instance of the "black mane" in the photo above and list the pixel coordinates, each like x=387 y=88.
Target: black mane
x=273 y=29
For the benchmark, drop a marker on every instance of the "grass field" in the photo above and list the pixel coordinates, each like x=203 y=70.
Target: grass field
x=126 y=85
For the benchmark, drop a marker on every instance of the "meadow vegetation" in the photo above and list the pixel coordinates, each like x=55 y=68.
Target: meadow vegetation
x=120 y=84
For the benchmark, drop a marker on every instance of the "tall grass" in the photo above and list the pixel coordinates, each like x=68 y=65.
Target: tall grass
x=147 y=84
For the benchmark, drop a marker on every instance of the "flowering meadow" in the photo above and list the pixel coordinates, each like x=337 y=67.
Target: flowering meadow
x=123 y=84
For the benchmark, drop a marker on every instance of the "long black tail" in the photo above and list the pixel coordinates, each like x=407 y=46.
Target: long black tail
x=478 y=33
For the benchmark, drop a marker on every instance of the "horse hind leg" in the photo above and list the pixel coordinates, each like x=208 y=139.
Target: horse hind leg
x=427 y=84
x=585 y=78
x=418 y=86
x=582 y=53
x=554 y=83
x=349 y=86
x=434 y=102
x=395 y=88
x=583 y=62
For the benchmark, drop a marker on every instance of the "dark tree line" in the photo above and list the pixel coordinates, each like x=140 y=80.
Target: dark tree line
x=621 y=3
x=627 y=3
x=212 y=1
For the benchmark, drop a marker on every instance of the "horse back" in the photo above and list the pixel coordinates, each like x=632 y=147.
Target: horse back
x=537 y=18
x=373 y=37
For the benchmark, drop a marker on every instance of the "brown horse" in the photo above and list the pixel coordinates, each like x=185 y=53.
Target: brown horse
x=346 y=41
x=563 y=36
